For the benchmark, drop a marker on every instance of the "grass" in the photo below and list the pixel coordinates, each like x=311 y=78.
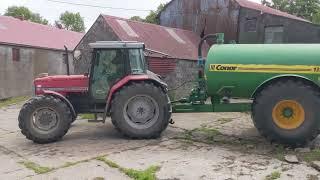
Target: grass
x=98 y=178
x=225 y=120
x=42 y=169
x=108 y=162
x=68 y=164
x=208 y=133
x=280 y=152
x=273 y=176
x=313 y=155
x=86 y=116
x=36 y=167
x=12 y=101
x=148 y=174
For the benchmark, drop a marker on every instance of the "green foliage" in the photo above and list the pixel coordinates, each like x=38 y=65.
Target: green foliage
x=148 y=174
x=309 y=9
x=87 y=116
x=273 y=176
x=152 y=17
x=24 y=12
x=313 y=155
x=72 y=21
x=108 y=162
x=280 y=152
x=36 y=167
x=137 y=18
x=11 y=101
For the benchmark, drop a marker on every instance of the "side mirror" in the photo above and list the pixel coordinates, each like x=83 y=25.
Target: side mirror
x=86 y=74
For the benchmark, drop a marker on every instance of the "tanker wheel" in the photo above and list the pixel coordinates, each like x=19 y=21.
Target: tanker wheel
x=44 y=119
x=141 y=110
x=287 y=112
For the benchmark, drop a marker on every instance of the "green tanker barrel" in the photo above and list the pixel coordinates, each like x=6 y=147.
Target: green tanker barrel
x=238 y=69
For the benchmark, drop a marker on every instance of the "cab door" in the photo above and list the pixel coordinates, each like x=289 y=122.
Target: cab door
x=109 y=66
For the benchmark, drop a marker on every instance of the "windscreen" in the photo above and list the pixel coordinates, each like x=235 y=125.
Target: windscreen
x=137 y=63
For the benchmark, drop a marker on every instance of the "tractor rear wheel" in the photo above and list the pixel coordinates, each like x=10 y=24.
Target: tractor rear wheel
x=287 y=112
x=44 y=119
x=141 y=110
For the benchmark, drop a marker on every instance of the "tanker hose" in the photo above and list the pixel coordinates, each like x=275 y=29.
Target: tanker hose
x=213 y=36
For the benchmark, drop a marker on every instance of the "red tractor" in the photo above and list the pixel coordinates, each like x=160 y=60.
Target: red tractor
x=118 y=85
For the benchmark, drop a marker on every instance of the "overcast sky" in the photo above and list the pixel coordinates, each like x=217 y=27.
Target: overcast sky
x=51 y=10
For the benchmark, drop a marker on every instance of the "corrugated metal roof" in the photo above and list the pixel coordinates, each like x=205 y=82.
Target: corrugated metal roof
x=177 y=43
x=265 y=9
x=259 y=7
x=25 y=33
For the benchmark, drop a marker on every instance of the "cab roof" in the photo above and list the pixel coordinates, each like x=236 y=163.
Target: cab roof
x=116 y=45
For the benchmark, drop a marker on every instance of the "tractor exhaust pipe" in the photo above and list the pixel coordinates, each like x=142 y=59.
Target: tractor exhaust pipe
x=66 y=59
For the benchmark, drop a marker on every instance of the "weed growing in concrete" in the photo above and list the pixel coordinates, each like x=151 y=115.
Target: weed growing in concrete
x=108 y=162
x=98 y=178
x=69 y=164
x=87 y=116
x=225 y=120
x=209 y=132
x=280 y=152
x=148 y=174
x=313 y=155
x=12 y=101
x=273 y=176
x=36 y=167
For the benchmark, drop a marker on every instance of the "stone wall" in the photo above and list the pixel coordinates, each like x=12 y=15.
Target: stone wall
x=184 y=75
x=16 y=76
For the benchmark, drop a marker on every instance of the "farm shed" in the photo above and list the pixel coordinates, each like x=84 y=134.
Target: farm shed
x=171 y=53
x=241 y=20
x=28 y=49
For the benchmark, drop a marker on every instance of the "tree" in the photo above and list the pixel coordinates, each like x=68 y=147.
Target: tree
x=71 y=21
x=25 y=13
x=137 y=18
x=307 y=9
x=152 y=17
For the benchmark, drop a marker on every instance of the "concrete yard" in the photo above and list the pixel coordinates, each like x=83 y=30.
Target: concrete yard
x=198 y=146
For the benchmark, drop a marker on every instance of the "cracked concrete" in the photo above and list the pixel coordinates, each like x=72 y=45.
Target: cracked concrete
x=237 y=153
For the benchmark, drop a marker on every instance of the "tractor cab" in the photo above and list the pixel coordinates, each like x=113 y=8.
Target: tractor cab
x=112 y=61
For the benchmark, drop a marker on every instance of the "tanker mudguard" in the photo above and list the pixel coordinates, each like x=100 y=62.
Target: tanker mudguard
x=64 y=99
x=276 y=78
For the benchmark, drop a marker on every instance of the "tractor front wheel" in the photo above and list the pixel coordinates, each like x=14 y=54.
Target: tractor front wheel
x=44 y=119
x=141 y=110
x=287 y=112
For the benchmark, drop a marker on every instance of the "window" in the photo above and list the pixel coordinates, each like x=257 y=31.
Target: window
x=109 y=67
x=273 y=35
x=136 y=61
x=15 y=54
x=251 y=25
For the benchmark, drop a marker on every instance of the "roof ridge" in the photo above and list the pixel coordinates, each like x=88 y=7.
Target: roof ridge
x=157 y=25
x=39 y=24
x=291 y=16
x=25 y=33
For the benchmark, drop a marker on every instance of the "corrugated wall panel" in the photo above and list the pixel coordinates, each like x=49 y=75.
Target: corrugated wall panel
x=161 y=66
